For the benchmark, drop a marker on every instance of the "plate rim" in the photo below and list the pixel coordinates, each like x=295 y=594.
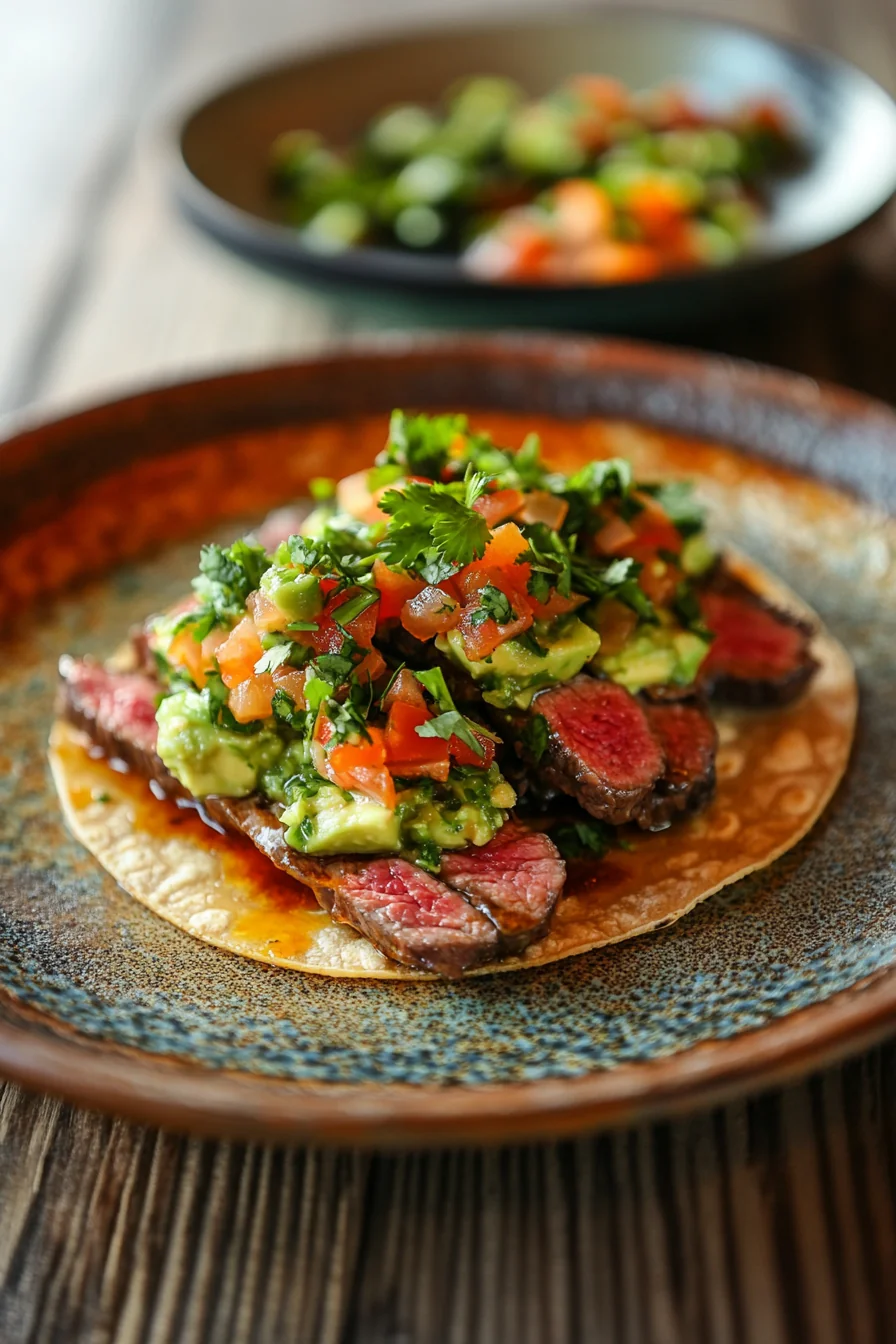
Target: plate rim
x=378 y=266
x=43 y=1053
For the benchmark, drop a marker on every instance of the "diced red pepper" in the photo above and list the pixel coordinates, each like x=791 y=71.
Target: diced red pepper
x=407 y=753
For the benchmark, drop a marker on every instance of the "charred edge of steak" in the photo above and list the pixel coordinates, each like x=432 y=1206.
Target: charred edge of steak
x=445 y=934
x=760 y=654
x=688 y=738
x=600 y=747
x=516 y=880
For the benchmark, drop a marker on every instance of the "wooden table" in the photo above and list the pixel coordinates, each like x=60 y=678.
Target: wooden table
x=772 y=1220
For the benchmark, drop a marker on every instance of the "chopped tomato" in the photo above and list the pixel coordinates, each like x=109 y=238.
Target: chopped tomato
x=499 y=505
x=407 y=753
x=394 y=588
x=361 y=768
x=265 y=613
x=556 y=605
x=465 y=755
x=658 y=579
x=329 y=636
x=615 y=623
x=239 y=653
x=353 y=496
x=371 y=667
x=615 y=262
x=614 y=536
x=606 y=95
x=539 y=506
x=658 y=205
x=481 y=638
x=292 y=681
x=251 y=699
x=405 y=689
x=197 y=657
x=430 y=613
x=583 y=212
x=506 y=544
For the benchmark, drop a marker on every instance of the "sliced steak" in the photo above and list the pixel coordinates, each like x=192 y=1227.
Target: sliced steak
x=600 y=747
x=688 y=738
x=759 y=654
x=408 y=914
x=515 y=879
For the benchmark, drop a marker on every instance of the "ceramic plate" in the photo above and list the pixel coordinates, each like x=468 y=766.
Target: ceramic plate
x=103 y=1002
x=847 y=122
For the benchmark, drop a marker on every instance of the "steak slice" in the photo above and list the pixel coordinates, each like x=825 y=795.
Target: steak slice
x=515 y=879
x=759 y=654
x=600 y=747
x=409 y=915
x=688 y=738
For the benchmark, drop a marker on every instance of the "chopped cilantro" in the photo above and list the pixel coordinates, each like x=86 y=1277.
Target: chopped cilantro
x=433 y=680
x=678 y=500
x=284 y=708
x=429 y=856
x=227 y=575
x=534 y=737
x=451 y=724
x=274 y=657
x=493 y=605
x=581 y=839
x=434 y=529
x=333 y=668
x=421 y=445
x=528 y=642
x=686 y=606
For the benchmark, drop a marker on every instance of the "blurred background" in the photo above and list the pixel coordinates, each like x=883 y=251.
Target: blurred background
x=105 y=286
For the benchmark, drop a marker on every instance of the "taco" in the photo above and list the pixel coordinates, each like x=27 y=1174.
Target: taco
x=470 y=715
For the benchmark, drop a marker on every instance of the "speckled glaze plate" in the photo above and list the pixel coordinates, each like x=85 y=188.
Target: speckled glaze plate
x=104 y=1003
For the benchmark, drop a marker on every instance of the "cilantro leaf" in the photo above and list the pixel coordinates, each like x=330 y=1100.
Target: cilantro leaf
x=534 y=737
x=434 y=529
x=678 y=500
x=493 y=605
x=586 y=838
x=451 y=724
x=421 y=444
x=433 y=680
x=609 y=478
x=429 y=857
x=274 y=657
x=333 y=668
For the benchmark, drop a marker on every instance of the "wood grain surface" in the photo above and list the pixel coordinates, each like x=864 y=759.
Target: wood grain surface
x=770 y=1221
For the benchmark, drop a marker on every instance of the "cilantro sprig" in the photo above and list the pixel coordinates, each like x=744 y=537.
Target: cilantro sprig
x=227 y=575
x=434 y=529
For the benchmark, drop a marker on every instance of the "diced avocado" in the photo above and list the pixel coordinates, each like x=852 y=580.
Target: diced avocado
x=205 y=757
x=655 y=655
x=697 y=555
x=329 y=823
x=514 y=672
x=297 y=595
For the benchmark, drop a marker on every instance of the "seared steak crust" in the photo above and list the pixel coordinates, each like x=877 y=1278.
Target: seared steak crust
x=759 y=654
x=688 y=739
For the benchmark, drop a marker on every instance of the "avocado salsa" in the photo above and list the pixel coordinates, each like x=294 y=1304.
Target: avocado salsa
x=306 y=675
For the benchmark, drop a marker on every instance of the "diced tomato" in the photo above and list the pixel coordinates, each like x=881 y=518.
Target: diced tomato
x=606 y=95
x=583 y=212
x=430 y=613
x=539 y=506
x=499 y=505
x=658 y=205
x=615 y=262
x=506 y=544
x=407 y=753
x=614 y=536
x=556 y=605
x=361 y=768
x=395 y=589
x=251 y=699
x=353 y=496
x=658 y=579
x=465 y=755
x=239 y=653
x=405 y=689
x=292 y=681
x=196 y=657
x=615 y=623
x=482 y=638
x=265 y=613
x=371 y=667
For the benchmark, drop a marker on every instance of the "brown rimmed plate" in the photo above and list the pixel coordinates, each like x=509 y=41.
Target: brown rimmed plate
x=107 y=1005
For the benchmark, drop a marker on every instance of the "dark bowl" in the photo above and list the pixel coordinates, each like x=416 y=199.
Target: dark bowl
x=847 y=122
